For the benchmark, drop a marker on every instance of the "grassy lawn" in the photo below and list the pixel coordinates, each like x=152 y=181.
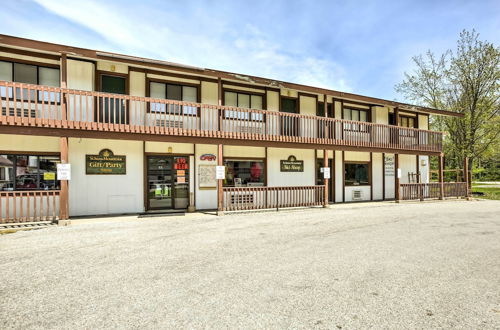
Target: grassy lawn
x=489 y=193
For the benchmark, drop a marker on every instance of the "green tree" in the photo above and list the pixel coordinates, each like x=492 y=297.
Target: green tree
x=467 y=81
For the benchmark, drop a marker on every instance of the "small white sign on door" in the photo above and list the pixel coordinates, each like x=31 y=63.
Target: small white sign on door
x=63 y=171
x=326 y=172
x=399 y=173
x=220 y=172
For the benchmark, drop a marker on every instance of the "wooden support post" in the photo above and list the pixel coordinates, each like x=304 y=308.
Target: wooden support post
x=326 y=181
x=325 y=154
x=219 y=91
x=64 y=195
x=64 y=71
x=64 y=85
x=466 y=178
x=396 y=178
x=220 y=112
x=441 y=177
x=220 y=196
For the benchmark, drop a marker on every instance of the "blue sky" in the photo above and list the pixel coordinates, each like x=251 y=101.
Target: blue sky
x=354 y=46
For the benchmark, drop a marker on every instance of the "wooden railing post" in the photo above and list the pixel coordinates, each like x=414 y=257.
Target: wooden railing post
x=64 y=195
x=441 y=177
x=220 y=196
x=112 y=112
x=396 y=178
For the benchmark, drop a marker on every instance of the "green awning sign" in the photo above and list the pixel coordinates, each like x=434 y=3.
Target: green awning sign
x=105 y=163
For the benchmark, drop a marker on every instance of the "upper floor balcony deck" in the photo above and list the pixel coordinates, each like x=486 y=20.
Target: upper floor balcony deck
x=36 y=106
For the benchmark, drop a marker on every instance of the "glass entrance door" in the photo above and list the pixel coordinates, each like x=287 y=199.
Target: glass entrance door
x=168 y=182
x=319 y=176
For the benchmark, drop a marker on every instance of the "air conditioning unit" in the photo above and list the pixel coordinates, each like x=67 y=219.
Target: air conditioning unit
x=250 y=129
x=169 y=123
x=19 y=112
x=357 y=195
x=242 y=199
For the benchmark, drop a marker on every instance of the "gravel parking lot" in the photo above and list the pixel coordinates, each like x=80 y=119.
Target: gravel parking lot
x=410 y=265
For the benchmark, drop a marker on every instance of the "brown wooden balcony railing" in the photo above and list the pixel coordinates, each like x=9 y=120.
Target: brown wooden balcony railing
x=414 y=191
x=253 y=198
x=29 y=206
x=42 y=106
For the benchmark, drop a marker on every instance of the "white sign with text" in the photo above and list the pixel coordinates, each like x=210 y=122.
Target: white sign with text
x=220 y=172
x=63 y=171
x=326 y=172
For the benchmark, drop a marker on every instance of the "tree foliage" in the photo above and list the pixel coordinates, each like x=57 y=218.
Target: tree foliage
x=467 y=81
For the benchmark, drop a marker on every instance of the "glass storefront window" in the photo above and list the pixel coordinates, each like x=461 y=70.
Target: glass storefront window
x=357 y=174
x=28 y=172
x=244 y=173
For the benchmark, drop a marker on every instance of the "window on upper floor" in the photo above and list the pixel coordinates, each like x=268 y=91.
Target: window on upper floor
x=289 y=105
x=175 y=92
x=405 y=121
x=355 y=114
x=29 y=74
x=321 y=110
x=289 y=125
x=243 y=100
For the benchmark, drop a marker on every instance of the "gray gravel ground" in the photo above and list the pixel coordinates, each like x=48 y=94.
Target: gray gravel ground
x=418 y=266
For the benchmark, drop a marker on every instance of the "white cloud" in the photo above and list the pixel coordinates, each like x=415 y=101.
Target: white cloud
x=198 y=40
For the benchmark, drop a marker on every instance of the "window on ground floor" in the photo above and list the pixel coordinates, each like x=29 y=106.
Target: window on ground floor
x=357 y=174
x=28 y=172
x=244 y=172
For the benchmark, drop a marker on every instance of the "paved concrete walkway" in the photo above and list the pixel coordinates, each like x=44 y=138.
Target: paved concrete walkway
x=396 y=266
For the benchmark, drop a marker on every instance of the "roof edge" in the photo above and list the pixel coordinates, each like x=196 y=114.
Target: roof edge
x=44 y=46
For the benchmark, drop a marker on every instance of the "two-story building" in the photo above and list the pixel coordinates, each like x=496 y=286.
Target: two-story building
x=145 y=135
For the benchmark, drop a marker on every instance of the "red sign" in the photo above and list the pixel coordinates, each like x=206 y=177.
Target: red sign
x=181 y=164
x=208 y=157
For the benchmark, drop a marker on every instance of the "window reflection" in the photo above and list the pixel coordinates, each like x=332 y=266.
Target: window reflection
x=28 y=172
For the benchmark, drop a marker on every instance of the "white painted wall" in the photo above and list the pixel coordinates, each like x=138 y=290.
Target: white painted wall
x=239 y=151
x=273 y=101
x=81 y=75
x=339 y=177
x=206 y=198
x=209 y=92
x=377 y=176
x=137 y=83
x=365 y=193
x=277 y=178
x=380 y=115
x=105 y=194
x=170 y=148
x=423 y=122
x=112 y=67
x=423 y=167
x=407 y=164
x=11 y=142
x=351 y=156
